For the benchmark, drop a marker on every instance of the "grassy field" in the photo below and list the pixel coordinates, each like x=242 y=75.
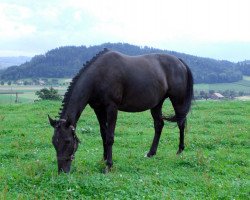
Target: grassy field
x=27 y=93
x=214 y=165
x=243 y=85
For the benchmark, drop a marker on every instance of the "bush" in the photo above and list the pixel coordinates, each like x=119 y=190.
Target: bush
x=48 y=94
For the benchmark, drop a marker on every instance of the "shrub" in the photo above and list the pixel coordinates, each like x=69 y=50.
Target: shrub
x=48 y=94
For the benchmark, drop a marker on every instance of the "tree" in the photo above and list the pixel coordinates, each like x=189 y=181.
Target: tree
x=9 y=83
x=48 y=94
x=211 y=92
x=26 y=83
x=226 y=93
x=65 y=62
x=232 y=94
x=2 y=82
x=241 y=93
x=35 y=81
x=203 y=95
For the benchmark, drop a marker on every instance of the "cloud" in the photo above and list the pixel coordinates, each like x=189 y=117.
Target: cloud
x=12 y=21
x=37 y=26
x=162 y=21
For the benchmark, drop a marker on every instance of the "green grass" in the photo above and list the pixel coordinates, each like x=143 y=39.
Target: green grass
x=27 y=93
x=214 y=165
x=246 y=78
x=243 y=85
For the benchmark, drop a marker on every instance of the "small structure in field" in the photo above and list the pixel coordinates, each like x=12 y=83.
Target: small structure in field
x=41 y=82
x=217 y=95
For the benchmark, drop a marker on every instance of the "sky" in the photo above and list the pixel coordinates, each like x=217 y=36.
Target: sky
x=210 y=28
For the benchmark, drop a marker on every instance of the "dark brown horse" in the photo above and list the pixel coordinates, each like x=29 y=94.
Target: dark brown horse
x=112 y=81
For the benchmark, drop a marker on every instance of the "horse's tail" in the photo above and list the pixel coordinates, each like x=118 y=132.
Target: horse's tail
x=180 y=115
x=189 y=89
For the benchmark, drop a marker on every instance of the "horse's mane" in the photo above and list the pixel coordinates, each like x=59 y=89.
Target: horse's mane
x=69 y=91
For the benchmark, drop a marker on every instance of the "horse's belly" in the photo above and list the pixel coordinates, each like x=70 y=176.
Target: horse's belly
x=134 y=108
x=140 y=101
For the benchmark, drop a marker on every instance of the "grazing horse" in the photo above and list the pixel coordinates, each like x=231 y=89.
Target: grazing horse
x=112 y=81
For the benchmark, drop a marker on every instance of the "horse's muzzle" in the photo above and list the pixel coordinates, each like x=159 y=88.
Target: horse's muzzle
x=64 y=166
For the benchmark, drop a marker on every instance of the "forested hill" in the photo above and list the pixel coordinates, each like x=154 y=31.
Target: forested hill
x=66 y=62
x=244 y=67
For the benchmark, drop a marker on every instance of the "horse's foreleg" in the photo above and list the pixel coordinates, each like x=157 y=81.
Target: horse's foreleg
x=158 y=125
x=101 y=115
x=111 y=122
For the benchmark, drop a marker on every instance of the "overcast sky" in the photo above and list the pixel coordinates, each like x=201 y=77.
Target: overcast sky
x=210 y=28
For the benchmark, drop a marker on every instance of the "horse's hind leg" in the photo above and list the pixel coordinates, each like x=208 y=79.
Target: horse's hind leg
x=180 y=117
x=181 y=125
x=158 y=125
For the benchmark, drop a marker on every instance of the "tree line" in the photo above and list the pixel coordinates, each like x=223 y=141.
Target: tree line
x=227 y=94
x=244 y=67
x=65 y=62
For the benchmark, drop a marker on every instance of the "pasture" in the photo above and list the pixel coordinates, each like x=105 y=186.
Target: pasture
x=214 y=165
x=27 y=93
x=243 y=86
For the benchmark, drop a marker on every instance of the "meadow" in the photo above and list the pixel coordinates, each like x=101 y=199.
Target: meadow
x=214 y=165
x=243 y=86
x=26 y=93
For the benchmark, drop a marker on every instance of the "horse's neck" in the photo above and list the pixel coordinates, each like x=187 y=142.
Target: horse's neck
x=74 y=111
x=76 y=102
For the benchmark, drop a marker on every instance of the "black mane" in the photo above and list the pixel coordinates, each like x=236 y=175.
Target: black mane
x=75 y=79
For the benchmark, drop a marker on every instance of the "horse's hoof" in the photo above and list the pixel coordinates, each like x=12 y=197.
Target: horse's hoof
x=149 y=155
x=179 y=151
x=106 y=170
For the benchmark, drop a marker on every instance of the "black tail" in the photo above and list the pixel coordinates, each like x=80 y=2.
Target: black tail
x=181 y=116
x=190 y=89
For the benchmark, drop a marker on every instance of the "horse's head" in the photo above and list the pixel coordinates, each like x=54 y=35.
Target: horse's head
x=65 y=142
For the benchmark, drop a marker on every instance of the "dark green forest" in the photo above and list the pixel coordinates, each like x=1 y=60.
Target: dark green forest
x=65 y=62
x=244 y=67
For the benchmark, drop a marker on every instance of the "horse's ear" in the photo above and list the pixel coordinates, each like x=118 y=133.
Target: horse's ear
x=52 y=121
x=68 y=121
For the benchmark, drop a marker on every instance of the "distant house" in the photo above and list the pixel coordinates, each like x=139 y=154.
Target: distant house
x=217 y=95
x=41 y=82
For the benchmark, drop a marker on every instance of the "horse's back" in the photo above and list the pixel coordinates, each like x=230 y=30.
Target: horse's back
x=165 y=69
x=138 y=83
